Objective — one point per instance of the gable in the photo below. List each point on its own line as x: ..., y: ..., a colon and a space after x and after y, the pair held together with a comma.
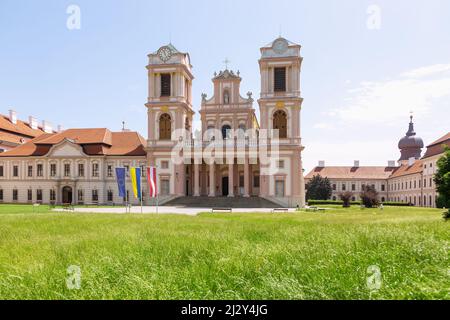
x: 66, y: 149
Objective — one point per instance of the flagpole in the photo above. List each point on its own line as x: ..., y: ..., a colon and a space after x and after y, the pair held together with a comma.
x: 157, y: 193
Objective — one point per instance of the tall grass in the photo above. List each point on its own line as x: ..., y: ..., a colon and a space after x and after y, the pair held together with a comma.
x: 225, y: 256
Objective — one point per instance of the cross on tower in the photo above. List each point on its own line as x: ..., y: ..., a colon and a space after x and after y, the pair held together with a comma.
x: 411, y: 114
x: 226, y: 61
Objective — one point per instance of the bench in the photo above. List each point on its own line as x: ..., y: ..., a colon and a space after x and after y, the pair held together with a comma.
x: 280, y: 210
x: 221, y: 210
x: 68, y: 207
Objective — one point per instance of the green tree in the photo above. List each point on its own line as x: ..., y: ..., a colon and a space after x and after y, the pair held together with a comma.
x: 318, y: 188
x: 442, y: 179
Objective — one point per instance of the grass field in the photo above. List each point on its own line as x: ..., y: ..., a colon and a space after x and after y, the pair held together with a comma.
x: 225, y: 256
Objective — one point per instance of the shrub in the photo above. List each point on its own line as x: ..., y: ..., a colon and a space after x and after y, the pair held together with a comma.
x: 446, y: 215
x: 369, y: 197
x: 346, y: 197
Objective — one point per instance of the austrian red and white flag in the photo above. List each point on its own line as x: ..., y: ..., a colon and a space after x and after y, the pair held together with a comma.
x: 151, y: 180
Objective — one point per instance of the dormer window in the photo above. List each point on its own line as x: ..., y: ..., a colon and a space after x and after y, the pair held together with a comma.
x: 165, y: 85
x: 226, y: 97
x: 280, y: 79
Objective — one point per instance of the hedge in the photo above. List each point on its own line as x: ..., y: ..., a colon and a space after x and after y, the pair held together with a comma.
x: 356, y: 203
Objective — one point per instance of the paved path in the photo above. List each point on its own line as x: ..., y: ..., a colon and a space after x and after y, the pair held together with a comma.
x: 165, y: 210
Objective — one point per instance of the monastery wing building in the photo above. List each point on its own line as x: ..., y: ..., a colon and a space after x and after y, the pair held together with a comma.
x: 411, y: 181
x: 234, y: 156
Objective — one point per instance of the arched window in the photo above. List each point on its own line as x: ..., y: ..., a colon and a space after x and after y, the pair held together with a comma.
x: 226, y: 132
x: 226, y: 97
x: 280, y: 123
x: 165, y: 123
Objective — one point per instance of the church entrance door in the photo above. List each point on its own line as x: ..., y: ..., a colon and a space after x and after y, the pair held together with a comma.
x: 225, y: 186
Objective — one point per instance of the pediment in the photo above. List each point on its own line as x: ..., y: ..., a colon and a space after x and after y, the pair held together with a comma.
x: 66, y: 148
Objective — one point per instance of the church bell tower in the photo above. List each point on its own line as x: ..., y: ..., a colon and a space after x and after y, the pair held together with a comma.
x: 280, y: 104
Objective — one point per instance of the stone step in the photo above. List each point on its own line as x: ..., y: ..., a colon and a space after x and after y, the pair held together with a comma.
x: 221, y: 202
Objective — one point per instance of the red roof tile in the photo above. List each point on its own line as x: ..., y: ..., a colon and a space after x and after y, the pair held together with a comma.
x: 94, y: 142
x: 366, y: 172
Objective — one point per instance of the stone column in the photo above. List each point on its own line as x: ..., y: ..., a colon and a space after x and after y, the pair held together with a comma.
x: 212, y: 180
x: 196, y: 181
x: 230, y: 180
x: 246, y: 179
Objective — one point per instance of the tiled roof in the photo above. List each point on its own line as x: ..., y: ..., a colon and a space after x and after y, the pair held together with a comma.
x: 366, y: 172
x: 20, y: 128
x: 99, y: 141
x: 405, y: 170
x: 440, y: 140
x: 437, y: 147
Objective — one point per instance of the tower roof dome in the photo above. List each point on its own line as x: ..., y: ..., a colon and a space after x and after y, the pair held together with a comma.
x: 410, y: 145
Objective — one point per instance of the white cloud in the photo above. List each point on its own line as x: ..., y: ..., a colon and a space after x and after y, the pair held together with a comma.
x: 391, y: 100
x: 322, y: 125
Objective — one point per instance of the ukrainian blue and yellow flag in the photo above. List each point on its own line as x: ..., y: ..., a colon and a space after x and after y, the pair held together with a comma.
x: 135, y: 174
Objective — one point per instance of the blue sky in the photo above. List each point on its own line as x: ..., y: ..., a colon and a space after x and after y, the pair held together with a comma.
x: 359, y: 83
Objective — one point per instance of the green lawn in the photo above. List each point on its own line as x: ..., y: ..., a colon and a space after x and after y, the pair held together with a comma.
x: 225, y: 256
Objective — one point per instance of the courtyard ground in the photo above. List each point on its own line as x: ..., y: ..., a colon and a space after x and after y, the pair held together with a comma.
x: 397, y: 253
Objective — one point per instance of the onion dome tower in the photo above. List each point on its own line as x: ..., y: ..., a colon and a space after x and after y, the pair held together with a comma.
x: 410, y: 145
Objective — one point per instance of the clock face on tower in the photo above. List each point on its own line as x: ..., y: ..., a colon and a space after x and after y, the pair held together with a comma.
x: 280, y: 46
x: 165, y: 53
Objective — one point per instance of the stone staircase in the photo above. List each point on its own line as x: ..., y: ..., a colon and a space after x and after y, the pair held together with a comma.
x: 221, y: 202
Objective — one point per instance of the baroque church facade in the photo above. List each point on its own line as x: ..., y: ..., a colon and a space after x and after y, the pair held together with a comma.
x: 224, y: 159
x: 234, y: 155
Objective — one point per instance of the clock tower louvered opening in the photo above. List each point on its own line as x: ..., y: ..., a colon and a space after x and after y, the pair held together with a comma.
x: 280, y: 79
x: 165, y: 85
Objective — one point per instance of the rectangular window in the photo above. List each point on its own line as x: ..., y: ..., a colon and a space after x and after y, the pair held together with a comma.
x: 81, y: 170
x: 40, y: 170
x: 38, y: 195
x: 30, y: 171
x: 280, y: 164
x: 280, y: 79
x: 165, y: 85
x: 110, y: 170
x: 164, y: 164
x: 353, y: 187
x: 30, y: 195
x: 1, y: 171
x: 110, y: 196
x: 94, y: 195
x: 334, y: 187
x: 424, y: 183
x: 67, y: 170
x: 53, y: 170
x: 15, y: 171
x: 95, y: 169
x: 1, y: 194
x: 383, y: 187
x: 343, y: 187
x: 165, y: 187
x: 15, y: 195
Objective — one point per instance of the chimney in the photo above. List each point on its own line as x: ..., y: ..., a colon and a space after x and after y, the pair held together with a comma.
x: 46, y: 126
x: 321, y: 164
x: 411, y: 161
x: 13, y: 116
x: 32, y: 122
x: 356, y: 164
x: 391, y: 163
